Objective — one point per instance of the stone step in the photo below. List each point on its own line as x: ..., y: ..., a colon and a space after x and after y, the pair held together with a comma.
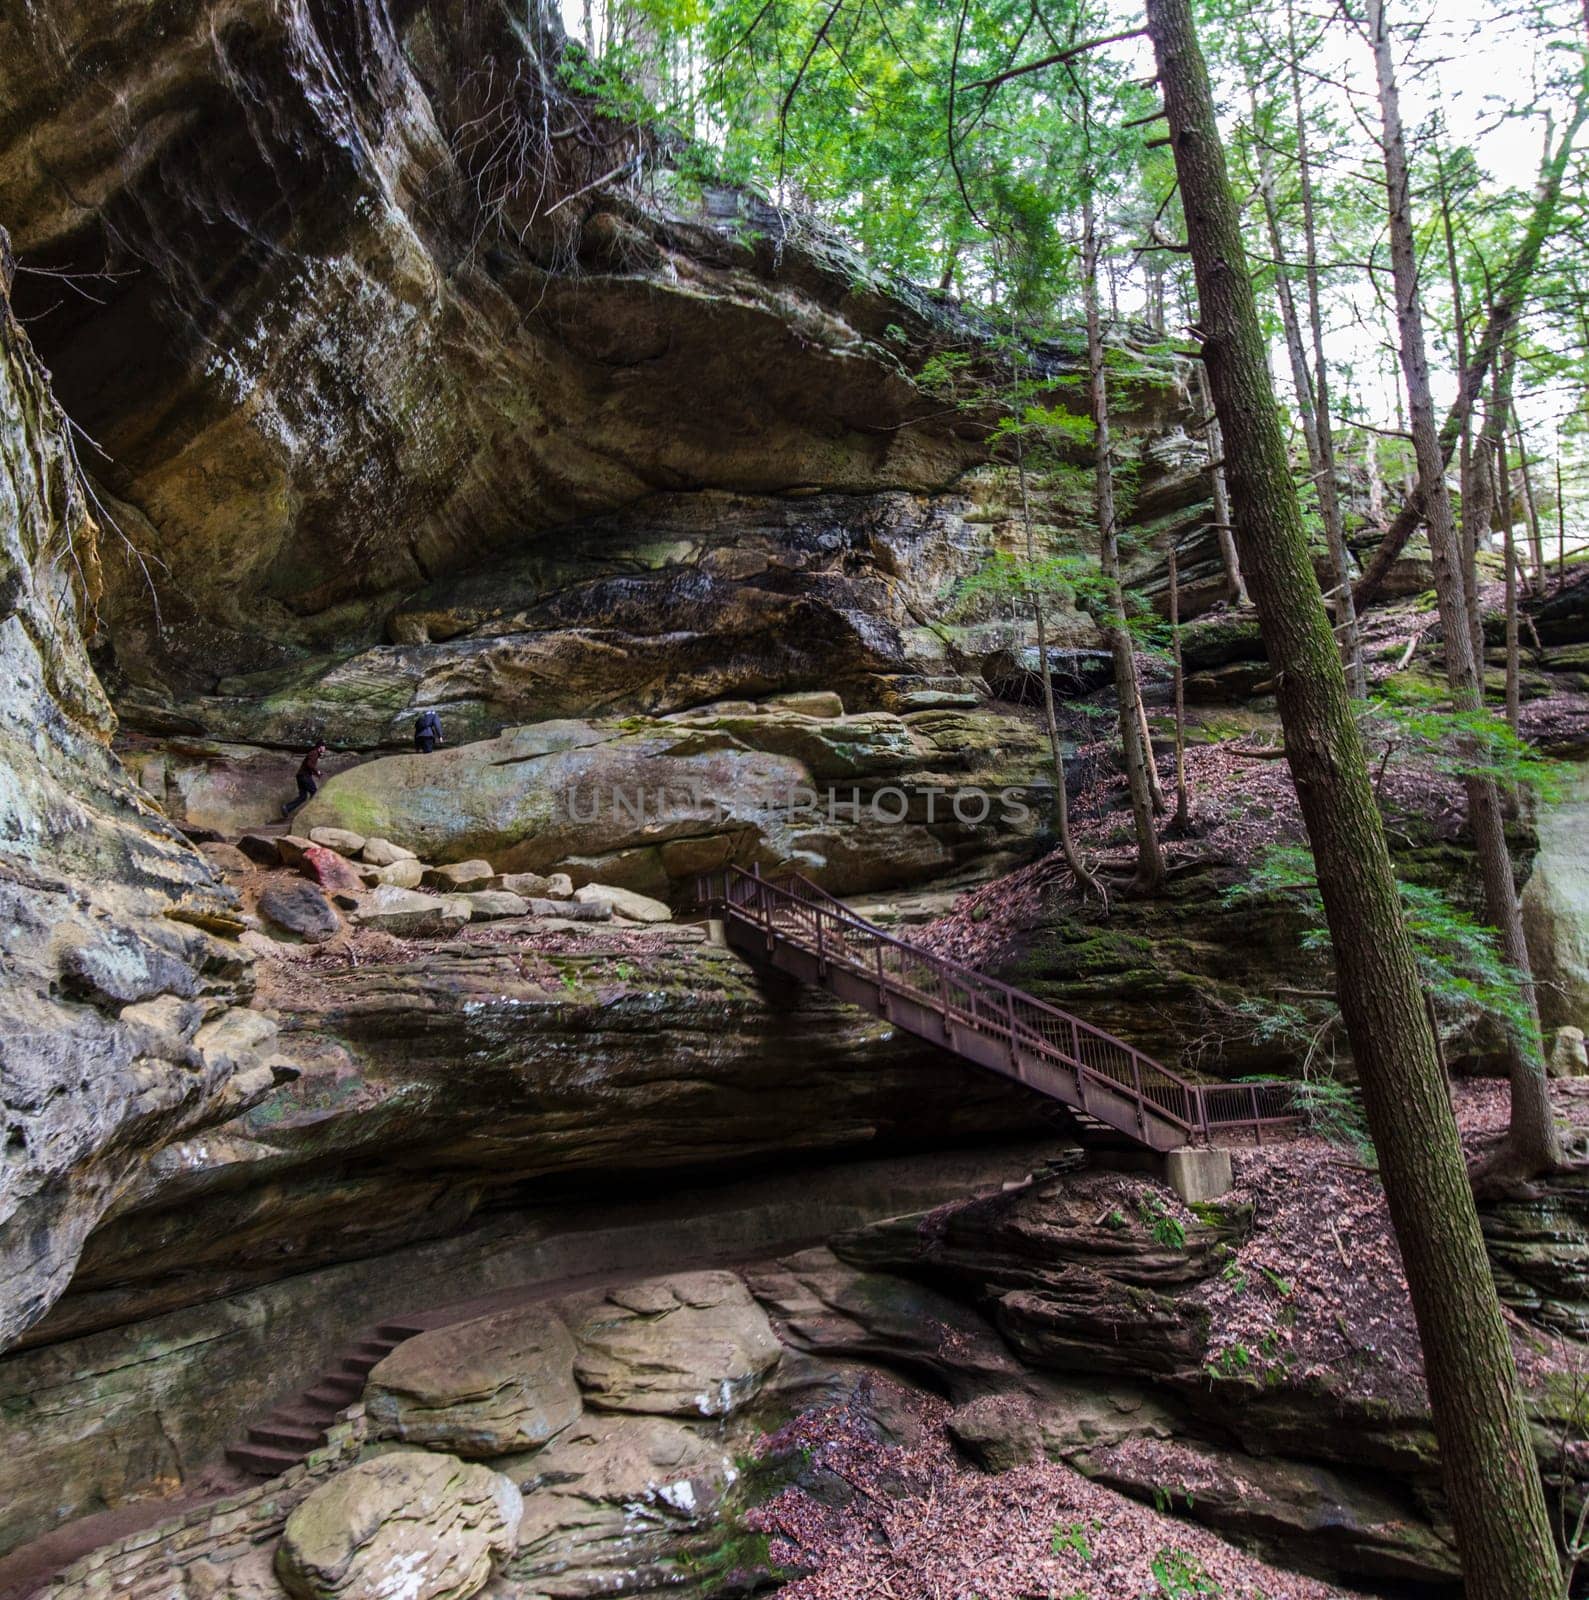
x: 301, y: 1413
x: 398, y: 1330
x: 302, y: 1437
x: 336, y: 1390
x: 263, y: 1460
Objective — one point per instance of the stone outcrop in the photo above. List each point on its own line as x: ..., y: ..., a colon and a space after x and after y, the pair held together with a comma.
x: 499, y: 1384
x: 434, y: 1079
x: 1299, y: 1513
x: 121, y: 966
x: 423, y: 1526
x: 692, y: 1345
x: 859, y: 802
x: 617, y: 1504
x: 417, y: 382
x: 300, y: 909
x: 1556, y: 905
x: 108, y: 1418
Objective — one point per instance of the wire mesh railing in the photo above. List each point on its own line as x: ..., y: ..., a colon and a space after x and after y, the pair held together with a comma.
x: 802, y: 914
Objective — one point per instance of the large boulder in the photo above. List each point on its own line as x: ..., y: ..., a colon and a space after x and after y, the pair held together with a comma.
x: 225, y: 857
x: 407, y: 874
x: 693, y: 1344
x: 1556, y: 905
x: 410, y: 914
x: 624, y: 902
x: 405, y: 1526
x: 383, y: 853
x: 459, y: 877
x: 859, y: 802
x: 486, y: 905
x: 535, y: 885
x: 499, y: 1384
x: 338, y: 839
x: 260, y: 848
x: 614, y: 1494
x: 300, y: 908
x: 333, y: 872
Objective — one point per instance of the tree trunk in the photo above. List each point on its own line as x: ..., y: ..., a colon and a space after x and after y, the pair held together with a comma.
x: 1491, y: 1475
x: 1507, y: 508
x: 1324, y: 467
x: 1532, y: 1143
x: 1155, y: 786
x: 1536, y: 543
x: 1313, y: 429
x: 1085, y: 880
x: 1561, y: 518
x: 1182, y: 806
x: 1513, y: 687
x: 1150, y: 860
x: 1235, y: 589
x: 1376, y: 480
x: 1506, y: 303
x: 1470, y: 533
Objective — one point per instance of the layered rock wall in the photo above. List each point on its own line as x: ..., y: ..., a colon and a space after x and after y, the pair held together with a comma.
x: 120, y: 1027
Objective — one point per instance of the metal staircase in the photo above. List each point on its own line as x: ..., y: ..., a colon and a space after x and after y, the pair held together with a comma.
x: 792, y: 924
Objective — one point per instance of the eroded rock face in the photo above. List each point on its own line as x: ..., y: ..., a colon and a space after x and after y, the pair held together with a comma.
x: 613, y: 1503
x: 409, y: 1524
x: 435, y: 1079
x: 117, y: 1033
x: 499, y: 1384
x: 1556, y: 905
x: 1300, y: 1513
x: 691, y: 1345
x: 857, y: 802
x: 398, y: 362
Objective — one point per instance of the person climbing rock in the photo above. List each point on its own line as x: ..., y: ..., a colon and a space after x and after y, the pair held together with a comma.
x: 308, y: 779
x: 427, y: 732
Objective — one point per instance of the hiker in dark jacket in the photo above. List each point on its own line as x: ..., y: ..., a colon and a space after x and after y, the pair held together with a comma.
x: 427, y: 732
x: 308, y: 779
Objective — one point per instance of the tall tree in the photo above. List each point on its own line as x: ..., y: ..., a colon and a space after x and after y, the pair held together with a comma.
x: 1137, y: 751
x: 1235, y: 589
x: 1511, y: 289
x: 1317, y: 435
x: 1532, y: 1144
x: 1492, y: 1478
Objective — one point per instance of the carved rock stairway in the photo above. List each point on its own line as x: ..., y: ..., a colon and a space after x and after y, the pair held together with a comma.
x: 796, y: 926
x: 283, y: 1437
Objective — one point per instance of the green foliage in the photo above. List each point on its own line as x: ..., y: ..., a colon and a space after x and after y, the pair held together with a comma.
x: 1167, y: 1231
x: 1418, y: 716
x: 1006, y: 578
x: 1334, y: 1111
x: 1231, y: 1362
x: 1179, y: 1576
x: 1459, y: 959
x: 1073, y: 1538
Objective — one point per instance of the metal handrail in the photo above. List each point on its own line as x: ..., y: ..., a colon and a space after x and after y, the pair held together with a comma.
x: 806, y: 915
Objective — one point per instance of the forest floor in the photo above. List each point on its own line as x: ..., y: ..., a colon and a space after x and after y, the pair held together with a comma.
x: 923, y: 1526
x: 1314, y: 1298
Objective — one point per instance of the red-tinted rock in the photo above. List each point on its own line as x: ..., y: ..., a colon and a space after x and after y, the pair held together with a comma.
x: 331, y: 871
